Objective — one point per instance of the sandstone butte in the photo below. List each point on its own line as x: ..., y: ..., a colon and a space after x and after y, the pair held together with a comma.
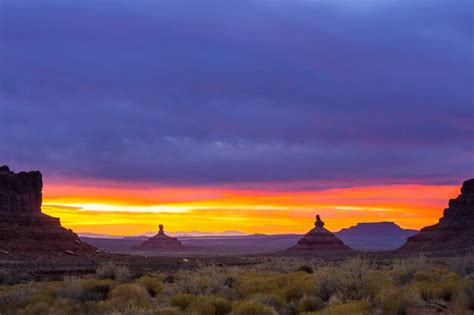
x: 453, y: 232
x: 24, y: 229
x: 319, y: 241
x: 161, y: 241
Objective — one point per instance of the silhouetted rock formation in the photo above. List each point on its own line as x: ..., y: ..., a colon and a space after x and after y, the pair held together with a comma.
x: 455, y: 230
x: 319, y: 240
x: 161, y: 241
x: 375, y: 236
x: 24, y: 229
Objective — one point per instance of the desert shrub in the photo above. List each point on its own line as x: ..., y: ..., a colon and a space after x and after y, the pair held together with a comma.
x: 306, y: 268
x: 438, y: 284
x: 205, y: 305
x: 129, y: 295
x: 356, y: 279
x: 96, y: 290
x: 249, y: 284
x: 389, y: 300
x: 468, y: 292
x: 71, y: 287
x: 221, y: 305
x: 46, y: 294
x: 463, y: 265
x: 404, y: 270
x: 15, y: 297
x: 95, y: 308
x: 111, y: 271
x: 169, y: 279
x: 182, y: 300
x: 38, y: 308
x: 310, y: 304
x: 252, y: 308
x: 326, y: 284
x: 168, y: 311
x: 209, y: 280
x: 273, y: 300
x: 11, y: 278
x: 131, y: 310
x: 152, y: 285
x: 298, y: 286
x: 361, y: 307
x: 64, y: 306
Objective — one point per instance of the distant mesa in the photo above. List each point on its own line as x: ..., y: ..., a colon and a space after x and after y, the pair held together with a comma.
x: 319, y: 241
x: 375, y: 236
x: 454, y: 231
x: 24, y: 229
x: 161, y: 241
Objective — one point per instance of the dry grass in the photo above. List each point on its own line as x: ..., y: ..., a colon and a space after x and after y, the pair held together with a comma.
x: 355, y: 286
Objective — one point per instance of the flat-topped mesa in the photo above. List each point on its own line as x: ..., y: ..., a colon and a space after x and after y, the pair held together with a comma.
x: 161, y: 241
x: 319, y: 240
x: 24, y: 229
x: 454, y: 231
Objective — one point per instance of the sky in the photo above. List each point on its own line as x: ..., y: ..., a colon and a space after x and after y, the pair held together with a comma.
x: 246, y: 115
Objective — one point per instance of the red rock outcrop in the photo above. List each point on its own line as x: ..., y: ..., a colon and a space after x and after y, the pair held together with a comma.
x: 454, y: 231
x: 161, y: 241
x: 319, y: 241
x: 24, y: 229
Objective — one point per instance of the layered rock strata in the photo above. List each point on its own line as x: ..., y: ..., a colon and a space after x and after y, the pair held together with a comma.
x: 454, y: 231
x: 319, y: 240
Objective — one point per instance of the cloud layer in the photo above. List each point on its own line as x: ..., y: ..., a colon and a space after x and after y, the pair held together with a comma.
x: 213, y: 92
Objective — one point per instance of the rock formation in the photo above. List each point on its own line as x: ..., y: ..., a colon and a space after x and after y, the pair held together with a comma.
x: 375, y: 236
x: 319, y: 240
x: 161, y: 241
x: 24, y: 229
x: 454, y: 231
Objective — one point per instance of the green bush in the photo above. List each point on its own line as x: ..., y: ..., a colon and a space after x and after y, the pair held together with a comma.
x: 182, y: 300
x: 389, y: 300
x: 38, y: 308
x: 111, y: 271
x: 273, y: 300
x: 96, y: 290
x: 306, y: 268
x: 361, y: 307
x: 129, y: 295
x: 152, y: 285
x: 168, y: 311
x: 252, y: 308
x: 310, y: 304
x: 71, y: 288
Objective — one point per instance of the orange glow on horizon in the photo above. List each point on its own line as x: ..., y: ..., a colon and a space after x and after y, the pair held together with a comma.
x: 136, y: 210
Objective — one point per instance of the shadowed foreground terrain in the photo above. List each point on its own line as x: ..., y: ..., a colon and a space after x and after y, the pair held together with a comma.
x: 271, y: 285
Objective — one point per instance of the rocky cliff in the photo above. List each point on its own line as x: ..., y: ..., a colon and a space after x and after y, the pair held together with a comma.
x: 454, y: 231
x: 24, y: 229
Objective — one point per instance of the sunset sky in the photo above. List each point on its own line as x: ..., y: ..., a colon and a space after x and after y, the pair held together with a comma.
x: 247, y: 115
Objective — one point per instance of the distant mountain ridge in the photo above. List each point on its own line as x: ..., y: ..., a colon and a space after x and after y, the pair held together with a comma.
x: 375, y: 236
x: 363, y: 236
x: 146, y: 235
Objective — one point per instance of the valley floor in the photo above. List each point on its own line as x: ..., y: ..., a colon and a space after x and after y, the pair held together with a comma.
x: 122, y: 284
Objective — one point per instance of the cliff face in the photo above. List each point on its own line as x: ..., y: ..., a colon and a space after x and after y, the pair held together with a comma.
x: 455, y: 230
x: 20, y: 193
x: 24, y: 229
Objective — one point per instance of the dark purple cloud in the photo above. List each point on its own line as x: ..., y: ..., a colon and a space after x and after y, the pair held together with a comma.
x: 220, y: 92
